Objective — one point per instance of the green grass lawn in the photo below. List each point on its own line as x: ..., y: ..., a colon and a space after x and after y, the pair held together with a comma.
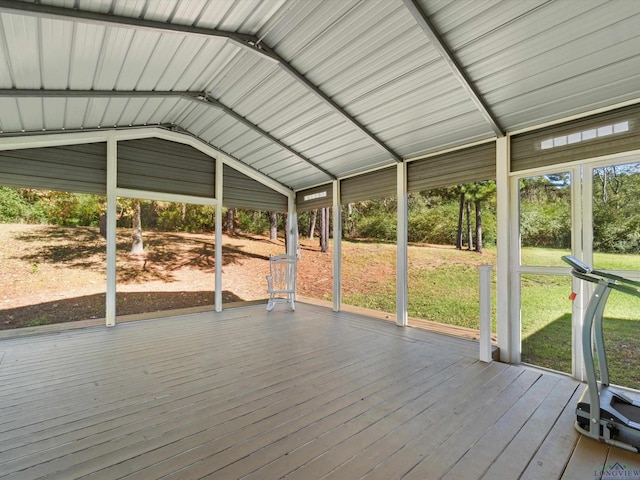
x: 443, y: 281
x: 546, y: 328
x: 443, y: 286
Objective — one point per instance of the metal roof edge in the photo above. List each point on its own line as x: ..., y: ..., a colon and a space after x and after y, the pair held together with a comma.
x: 577, y: 116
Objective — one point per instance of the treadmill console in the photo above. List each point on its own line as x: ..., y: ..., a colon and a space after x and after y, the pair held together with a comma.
x: 577, y: 264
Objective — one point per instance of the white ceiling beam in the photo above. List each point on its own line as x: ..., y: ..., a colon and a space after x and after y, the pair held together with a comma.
x: 193, y: 96
x: 216, y: 104
x: 43, y: 140
x: 429, y: 30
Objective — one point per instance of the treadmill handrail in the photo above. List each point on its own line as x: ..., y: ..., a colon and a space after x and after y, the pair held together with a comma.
x: 584, y: 272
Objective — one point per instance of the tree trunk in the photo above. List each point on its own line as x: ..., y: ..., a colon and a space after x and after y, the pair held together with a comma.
x: 137, y: 247
x: 469, y: 230
x: 231, y: 219
x: 324, y: 237
x: 459, y: 235
x: 103, y: 217
x: 478, y: 226
x: 273, y: 221
x: 313, y: 216
x: 286, y: 231
x: 103, y: 225
x: 351, y: 221
x: 327, y: 226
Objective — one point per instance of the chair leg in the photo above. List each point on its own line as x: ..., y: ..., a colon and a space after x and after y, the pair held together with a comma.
x: 270, y: 304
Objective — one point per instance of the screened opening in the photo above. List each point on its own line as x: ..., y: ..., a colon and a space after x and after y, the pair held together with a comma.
x: 53, y: 257
x: 316, y: 247
x: 545, y: 219
x: 451, y: 231
x: 616, y: 247
x: 165, y: 256
x: 249, y: 238
x: 369, y: 249
x: 545, y: 236
x: 546, y: 321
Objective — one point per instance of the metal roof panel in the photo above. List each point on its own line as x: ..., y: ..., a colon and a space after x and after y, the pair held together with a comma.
x: 531, y: 61
x: 53, y: 112
x: 542, y: 60
x: 10, y: 115
x: 75, y: 111
x: 21, y: 35
x: 131, y: 8
x: 238, y: 15
x: 6, y: 77
x: 31, y: 114
x: 85, y: 55
x: 56, y: 41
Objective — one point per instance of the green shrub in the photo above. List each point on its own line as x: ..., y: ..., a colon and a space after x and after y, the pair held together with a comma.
x: 15, y: 208
x: 379, y: 225
x: 545, y: 225
x: 254, y: 222
x: 177, y: 217
x: 437, y: 225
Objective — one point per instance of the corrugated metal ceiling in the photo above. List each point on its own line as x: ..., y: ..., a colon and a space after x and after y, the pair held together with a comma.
x: 306, y: 90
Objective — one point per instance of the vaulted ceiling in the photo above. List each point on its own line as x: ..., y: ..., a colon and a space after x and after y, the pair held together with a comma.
x: 306, y: 91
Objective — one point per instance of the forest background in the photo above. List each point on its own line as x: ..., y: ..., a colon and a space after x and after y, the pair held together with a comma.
x: 462, y: 215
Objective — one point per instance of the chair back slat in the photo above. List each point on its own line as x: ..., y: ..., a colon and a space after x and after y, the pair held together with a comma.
x: 281, y: 280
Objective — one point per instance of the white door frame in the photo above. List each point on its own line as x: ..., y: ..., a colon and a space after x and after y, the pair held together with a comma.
x: 581, y: 245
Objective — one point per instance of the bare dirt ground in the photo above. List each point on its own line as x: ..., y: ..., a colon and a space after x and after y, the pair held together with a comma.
x: 51, y: 274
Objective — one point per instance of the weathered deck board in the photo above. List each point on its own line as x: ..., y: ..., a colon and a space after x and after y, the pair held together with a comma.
x: 246, y: 394
x: 591, y: 459
x: 551, y: 458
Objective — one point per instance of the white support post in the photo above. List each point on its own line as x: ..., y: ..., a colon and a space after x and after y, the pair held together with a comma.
x: 112, y: 179
x: 485, y: 312
x: 402, y: 254
x: 292, y: 241
x: 337, y: 247
x: 582, y: 248
x: 292, y: 227
x: 505, y: 324
x: 218, y: 235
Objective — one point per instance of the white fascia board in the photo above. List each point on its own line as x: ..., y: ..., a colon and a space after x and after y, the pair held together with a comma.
x: 364, y: 172
x: 452, y: 149
x: 577, y: 116
x: 207, y: 150
x: 164, y: 197
x: 604, y: 160
x: 52, y: 140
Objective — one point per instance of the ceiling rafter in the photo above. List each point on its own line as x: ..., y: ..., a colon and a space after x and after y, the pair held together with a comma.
x: 201, y: 97
x: 216, y: 104
x: 244, y: 40
x: 436, y: 40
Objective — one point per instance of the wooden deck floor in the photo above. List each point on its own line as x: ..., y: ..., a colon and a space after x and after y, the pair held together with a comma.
x: 305, y: 395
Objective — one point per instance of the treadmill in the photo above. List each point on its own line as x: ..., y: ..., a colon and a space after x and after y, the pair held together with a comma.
x: 604, y: 413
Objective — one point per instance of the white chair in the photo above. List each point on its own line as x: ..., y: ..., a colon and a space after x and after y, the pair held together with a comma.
x: 281, y: 282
